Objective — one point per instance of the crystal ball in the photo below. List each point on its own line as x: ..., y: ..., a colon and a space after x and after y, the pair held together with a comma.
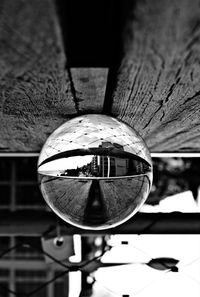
x: 95, y: 172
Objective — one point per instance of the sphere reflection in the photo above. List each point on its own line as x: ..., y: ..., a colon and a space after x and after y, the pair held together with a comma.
x: 95, y: 172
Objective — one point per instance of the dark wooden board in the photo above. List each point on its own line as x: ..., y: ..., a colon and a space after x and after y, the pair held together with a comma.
x: 157, y: 87
x: 37, y: 89
x: 35, y: 92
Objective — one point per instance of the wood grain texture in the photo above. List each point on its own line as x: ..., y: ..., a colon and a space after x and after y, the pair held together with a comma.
x: 35, y: 94
x: 90, y: 86
x: 157, y: 88
x: 37, y: 89
x: 122, y: 197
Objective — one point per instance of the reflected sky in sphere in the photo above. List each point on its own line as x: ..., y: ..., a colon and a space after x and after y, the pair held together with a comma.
x: 95, y: 172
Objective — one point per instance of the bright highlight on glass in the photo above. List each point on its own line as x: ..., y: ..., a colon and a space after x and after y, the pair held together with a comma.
x: 95, y: 172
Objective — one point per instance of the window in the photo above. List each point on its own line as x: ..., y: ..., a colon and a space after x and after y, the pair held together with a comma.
x: 18, y: 184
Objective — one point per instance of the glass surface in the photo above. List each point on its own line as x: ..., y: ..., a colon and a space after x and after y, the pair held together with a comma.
x: 95, y: 172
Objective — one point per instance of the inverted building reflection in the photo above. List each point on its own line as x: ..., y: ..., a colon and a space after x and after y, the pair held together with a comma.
x: 106, y: 166
x: 116, y: 164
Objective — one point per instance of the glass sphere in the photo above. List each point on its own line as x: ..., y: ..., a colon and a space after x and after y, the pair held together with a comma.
x: 95, y: 172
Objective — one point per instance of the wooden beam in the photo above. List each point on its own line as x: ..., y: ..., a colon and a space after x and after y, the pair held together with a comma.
x: 157, y: 85
x: 35, y: 223
x: 90, y: 86
x: 37, y: 89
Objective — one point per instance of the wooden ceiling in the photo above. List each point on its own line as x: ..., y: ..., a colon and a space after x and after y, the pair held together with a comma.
x: 138, y: 61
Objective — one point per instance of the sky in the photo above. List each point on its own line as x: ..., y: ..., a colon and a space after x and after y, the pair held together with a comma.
x: 61, y: 165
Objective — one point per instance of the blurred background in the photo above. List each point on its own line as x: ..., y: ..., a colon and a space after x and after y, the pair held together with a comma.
x: 60, y: 264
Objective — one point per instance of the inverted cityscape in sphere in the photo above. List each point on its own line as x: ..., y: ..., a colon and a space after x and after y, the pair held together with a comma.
x: 95, y: 172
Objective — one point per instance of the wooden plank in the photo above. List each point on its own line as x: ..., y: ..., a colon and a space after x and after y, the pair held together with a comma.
x: 35, y: 92
x: 20, y: 223
x: 89, y: 85
x: 157, y: 87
